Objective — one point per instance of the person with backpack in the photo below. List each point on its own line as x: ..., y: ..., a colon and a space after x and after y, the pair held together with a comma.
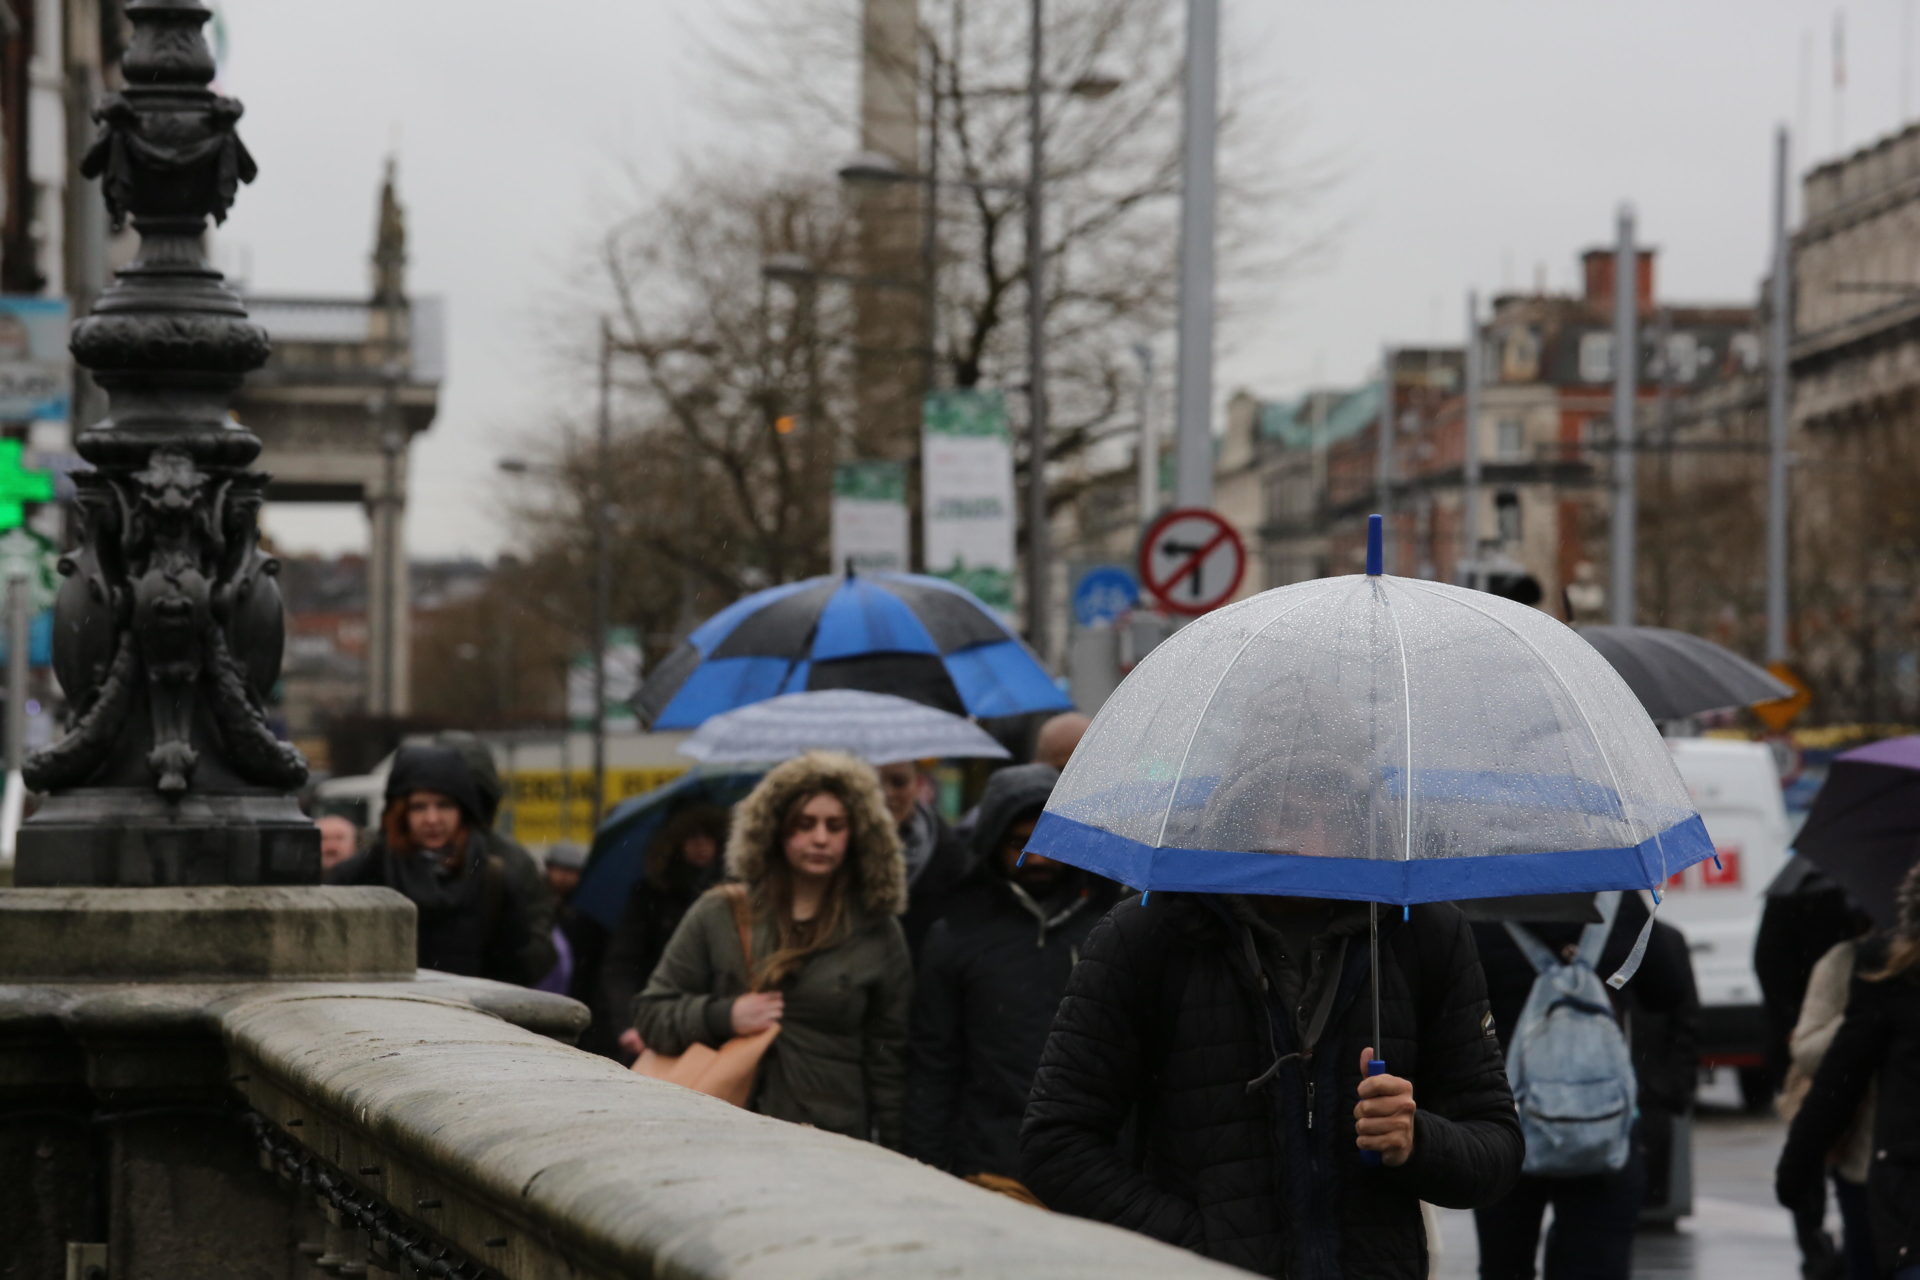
x: 1566, y: 1035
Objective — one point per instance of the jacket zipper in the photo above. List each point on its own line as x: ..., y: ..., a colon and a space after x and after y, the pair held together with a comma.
x: 1309, y: 1067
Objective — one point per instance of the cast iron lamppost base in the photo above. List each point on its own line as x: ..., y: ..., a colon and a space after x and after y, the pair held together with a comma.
x: 168, y: 630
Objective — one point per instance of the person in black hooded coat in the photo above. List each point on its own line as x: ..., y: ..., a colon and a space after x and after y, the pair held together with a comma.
x: 990, y: 977
x: 1879, y: 1044
x: 1185, y: 1094
x: 434, y: 849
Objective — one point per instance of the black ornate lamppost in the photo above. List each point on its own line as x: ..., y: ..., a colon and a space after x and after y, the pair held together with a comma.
x: 168, y: 630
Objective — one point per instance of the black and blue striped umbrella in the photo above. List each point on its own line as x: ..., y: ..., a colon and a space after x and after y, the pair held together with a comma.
x: 905, y: 634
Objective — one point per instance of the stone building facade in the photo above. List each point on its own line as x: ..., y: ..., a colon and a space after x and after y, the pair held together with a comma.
x: 1855, y: 359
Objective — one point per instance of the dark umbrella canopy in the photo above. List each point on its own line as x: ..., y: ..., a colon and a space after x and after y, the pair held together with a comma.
x: 915, y: 637
x: 1864, y: 829
x: 617, y: 859
x: 1676, y: 675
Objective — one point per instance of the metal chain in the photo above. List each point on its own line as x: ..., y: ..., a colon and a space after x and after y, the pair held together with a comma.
x: 403, y: 1243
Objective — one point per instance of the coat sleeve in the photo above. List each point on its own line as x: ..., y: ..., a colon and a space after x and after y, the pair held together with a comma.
x: 537, y: 907
x: 936, y: 1053
x: 679, y: 1008
x: 1858, y: 1049
x: 885, y: 1038
x: 1466, y: 1137
x: 1092, y: 1077
x: 1822, y: 1010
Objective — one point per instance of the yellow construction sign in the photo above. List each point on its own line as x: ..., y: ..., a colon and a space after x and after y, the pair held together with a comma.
x: 544, y: 805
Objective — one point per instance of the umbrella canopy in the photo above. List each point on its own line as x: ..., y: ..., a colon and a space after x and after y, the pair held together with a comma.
x: 1378, y: 739
x: 1864, y: 827
x: 618, y: 857
x: 877, y: 727
x: 917, y: 637
x: 1676, y: 675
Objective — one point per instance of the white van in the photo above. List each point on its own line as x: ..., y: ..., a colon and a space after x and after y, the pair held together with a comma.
x: 1736, y: 787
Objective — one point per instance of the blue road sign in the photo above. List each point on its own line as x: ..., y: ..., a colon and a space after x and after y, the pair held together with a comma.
x: 1105, y: 593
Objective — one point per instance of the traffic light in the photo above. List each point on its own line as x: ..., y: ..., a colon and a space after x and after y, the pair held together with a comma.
x: 784, y: 424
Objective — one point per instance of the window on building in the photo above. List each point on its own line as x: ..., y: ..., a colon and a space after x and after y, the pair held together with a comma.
x: 1509, y: 438
x: 1596, y: 357
x: 1506, y: 517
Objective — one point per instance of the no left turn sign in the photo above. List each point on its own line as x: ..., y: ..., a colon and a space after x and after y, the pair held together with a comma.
x: 1191, y: 561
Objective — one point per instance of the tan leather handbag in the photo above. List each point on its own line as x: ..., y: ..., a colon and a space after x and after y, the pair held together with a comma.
x: 728, y: 1072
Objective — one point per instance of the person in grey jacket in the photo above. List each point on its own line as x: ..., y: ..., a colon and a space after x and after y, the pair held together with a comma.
x: 820, y: 859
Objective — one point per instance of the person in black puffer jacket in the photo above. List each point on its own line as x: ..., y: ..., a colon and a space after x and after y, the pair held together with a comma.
x: 991, y: 974
x: 435, y: 851
x: 1879, y: 1042
x: 1201, y: 1079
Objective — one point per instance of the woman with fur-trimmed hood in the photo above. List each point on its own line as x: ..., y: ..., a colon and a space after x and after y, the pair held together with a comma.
x: 820, y: 859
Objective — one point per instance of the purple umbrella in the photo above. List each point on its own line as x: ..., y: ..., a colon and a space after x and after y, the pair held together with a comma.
x: 1864, y: 829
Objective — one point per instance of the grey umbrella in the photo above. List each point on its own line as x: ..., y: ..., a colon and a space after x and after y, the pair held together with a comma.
x: 1676, y: 675
x: 877, y: 727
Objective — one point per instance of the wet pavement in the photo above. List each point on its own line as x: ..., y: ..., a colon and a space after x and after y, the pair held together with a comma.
x: 1736, y: 1231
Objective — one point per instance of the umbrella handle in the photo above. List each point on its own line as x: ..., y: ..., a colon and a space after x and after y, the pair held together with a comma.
x: 1375, y: 1067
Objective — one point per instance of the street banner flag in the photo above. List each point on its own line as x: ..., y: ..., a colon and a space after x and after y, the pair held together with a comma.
x: 870, y: 518
x: 967, y: 492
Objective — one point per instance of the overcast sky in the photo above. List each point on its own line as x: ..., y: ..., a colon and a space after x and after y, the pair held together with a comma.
x: 1475, y: 143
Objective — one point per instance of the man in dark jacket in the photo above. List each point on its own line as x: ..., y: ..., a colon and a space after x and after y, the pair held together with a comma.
x: 523, y: 869
x: 1202, y: 1084
x: 989, y: 979
x: 1593, y: 1216
x: 434, y: 850
x: 936, y: 859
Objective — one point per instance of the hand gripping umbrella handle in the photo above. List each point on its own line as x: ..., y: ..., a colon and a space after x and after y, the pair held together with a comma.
x: 1375, y: 1067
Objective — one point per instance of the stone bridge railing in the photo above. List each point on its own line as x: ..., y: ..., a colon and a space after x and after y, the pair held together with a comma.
x: 275, y: 1095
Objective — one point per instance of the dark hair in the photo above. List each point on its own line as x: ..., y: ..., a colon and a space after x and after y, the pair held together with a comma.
x: 1903, y: 954
x: 399, y: 840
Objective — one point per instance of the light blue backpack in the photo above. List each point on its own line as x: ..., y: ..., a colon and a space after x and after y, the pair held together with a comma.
x: 1568, y: 1061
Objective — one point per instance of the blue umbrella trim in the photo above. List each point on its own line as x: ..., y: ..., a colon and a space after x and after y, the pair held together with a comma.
x: 1143, y: 866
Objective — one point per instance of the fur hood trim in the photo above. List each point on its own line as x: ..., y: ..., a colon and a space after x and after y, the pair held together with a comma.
x: 873, y: 845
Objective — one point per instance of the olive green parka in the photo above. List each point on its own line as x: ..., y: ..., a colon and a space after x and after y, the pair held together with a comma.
x: 839, y: 1061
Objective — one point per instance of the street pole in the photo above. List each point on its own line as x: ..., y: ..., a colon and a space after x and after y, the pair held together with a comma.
x: 1149, y: 460
x: 602, y: 577
x: 1193, y: 485
x: 1039, y: 571
x: 1467, y: 572
x: 1626, y: 276
x: 1777, y: 411
x: 19, y: 626
x: 1383, y: 461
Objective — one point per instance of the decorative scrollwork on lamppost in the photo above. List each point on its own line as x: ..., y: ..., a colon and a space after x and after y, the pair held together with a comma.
x: 168, y: 631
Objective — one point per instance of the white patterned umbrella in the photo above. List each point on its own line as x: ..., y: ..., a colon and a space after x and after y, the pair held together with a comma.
x: 877, y: 727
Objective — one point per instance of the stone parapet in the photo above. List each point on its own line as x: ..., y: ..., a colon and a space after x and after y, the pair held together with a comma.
x: 209, y: 933
x: 535, y: 1160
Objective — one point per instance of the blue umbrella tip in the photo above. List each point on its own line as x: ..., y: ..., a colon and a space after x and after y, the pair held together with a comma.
x: 1376, y: 546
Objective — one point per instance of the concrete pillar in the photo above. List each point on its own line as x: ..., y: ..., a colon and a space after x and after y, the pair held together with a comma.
x: 889, y: 321
x: 389, y: 596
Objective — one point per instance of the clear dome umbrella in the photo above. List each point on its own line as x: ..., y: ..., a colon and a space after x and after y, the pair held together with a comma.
x: 1378, y: 739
